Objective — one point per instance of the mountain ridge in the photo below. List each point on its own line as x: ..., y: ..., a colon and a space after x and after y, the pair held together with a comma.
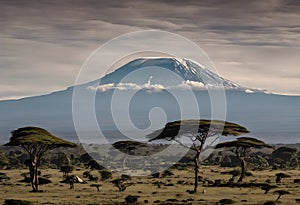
x: 187, y: 69
x: 266, y: 115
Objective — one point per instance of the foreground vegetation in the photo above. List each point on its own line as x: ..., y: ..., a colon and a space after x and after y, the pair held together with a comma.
x: 69, y: 175
x: 270, y: 172
x: 149, y: 190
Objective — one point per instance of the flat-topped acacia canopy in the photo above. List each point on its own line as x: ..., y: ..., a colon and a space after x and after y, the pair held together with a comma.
x: 197, y: 131
x: 246, y: 142
x: 193, y: 127
x: 241, y: 148
x: 30, y: 135
x: 36, y: 141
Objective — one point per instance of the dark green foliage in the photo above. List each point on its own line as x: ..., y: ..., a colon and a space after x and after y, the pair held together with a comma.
x: 172, y: 200
x: 16, y: 202
x: 242, y: 148
x: 296, y: 180
x: 268, y: 187
x: 131, y: 199
x: 180, y: 166
x: 285, y: 157
x: 198, y: 131
x: 284, y: 153
x: 175, y: 129
x: 43, y: 180
x: 269, y: 203
x: 125, y: 177
x: 86, y: 174
x: 121, y: 184
x: 85, y: 158
x: 229, y: 161
x: 155, y: 175
x: 36, y: 141
x: 167, y: 173
x: 105, y: 174
x: 258, y: 161
x: 96, y: 185
x: 28, y: 135
x: 281, y: 175
x: 93, y: 164
x: 60, y: 159
x: 244, y: 142
x: 226, y: 201
x: 131, y: 147
x: 66, y: 170
x: 3, y: 160
x: 280, y: 193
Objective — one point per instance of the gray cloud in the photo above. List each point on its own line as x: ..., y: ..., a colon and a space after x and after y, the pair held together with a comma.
x: 44, y: 43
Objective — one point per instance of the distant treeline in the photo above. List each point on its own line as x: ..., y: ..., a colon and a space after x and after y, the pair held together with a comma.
x: 282, y: 157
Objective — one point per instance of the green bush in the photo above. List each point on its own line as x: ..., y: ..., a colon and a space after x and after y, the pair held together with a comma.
x: 105, y: 174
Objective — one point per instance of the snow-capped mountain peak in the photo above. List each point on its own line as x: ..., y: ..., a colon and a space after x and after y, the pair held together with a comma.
x: 184, y: 70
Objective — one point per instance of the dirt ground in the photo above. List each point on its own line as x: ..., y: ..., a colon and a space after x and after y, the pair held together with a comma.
x: 172, y: 192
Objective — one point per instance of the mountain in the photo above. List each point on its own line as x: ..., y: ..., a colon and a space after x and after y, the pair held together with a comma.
x: 157, y: 90
x: 181, y: 70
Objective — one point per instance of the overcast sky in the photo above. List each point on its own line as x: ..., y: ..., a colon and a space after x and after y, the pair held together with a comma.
x: 44, y: 43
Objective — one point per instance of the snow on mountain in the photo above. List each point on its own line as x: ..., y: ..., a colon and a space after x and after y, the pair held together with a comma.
x: 158, y: 73
x: 273, y: 118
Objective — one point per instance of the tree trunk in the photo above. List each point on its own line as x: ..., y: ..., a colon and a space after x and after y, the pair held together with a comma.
x: 243, y: 169
x: 196, y: 161
x: 124, y: 162
x: 36, y: 183
x: 33, y: 166
x: 31, y: 173
x: 278, y: 197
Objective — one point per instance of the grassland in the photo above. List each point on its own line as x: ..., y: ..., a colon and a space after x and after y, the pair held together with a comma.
x: 172, y: 191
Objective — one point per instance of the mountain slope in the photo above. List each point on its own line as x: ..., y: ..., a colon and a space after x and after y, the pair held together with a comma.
x: 273, y: 118
x: 185, y: 69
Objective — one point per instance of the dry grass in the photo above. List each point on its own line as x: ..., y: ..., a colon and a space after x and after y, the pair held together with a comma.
x: 59, y: 193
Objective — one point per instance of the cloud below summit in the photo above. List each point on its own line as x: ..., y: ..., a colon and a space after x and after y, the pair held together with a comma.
x: 153, y: 88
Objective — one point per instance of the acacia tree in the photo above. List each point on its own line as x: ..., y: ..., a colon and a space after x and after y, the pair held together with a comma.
x: 130, y: 148
x: 241, y: 147
x: 135, y: 148
x: 36, y: 141
x: 197, y: 131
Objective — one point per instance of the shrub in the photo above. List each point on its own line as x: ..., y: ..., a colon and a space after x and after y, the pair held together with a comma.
x: 43, y: 180
x: 86, y: 174
x: 155, y: 175
x: 296, y: 180
x: 105, y: 174
x: 16, y: 202
x: 226, y: 201
x: 121, y: 184
x: 125, y: 177
x: 167, y: 173
x: 131, y: 199
x: 269, y: 203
